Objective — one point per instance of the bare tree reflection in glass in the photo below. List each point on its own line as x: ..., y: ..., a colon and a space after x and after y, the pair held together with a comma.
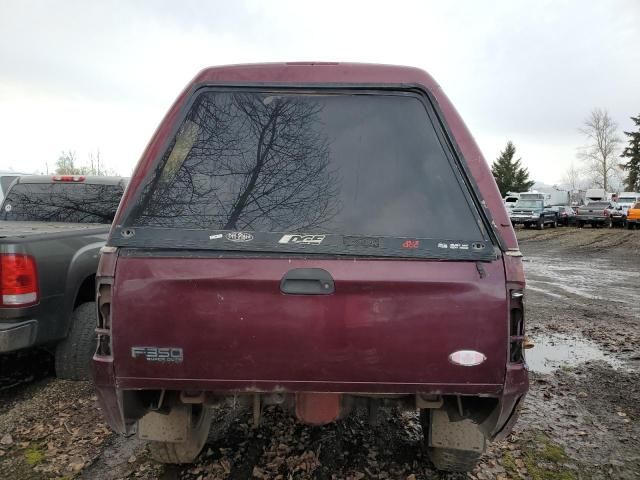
x: 246, y: 161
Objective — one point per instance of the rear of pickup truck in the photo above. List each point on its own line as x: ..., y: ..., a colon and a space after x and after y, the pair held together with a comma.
x: 292, y: 244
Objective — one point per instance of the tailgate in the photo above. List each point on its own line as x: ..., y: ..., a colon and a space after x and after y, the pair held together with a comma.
x: 389, y: 326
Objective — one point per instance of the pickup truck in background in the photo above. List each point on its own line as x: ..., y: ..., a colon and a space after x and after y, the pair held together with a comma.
x: 51, y: 233
x: 596, y: 214
x: 532, y: 212
x: 286, y: 239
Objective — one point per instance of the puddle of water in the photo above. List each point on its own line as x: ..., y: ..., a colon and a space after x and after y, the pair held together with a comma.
x: 554, y: 351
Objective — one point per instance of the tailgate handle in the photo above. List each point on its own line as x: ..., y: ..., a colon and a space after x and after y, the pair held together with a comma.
x: 307, y: 281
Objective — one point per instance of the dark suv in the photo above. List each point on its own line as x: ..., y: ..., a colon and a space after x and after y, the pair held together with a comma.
x: 286, y: 239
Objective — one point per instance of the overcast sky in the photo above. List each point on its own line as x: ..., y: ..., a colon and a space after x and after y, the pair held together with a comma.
x: 82, y: 76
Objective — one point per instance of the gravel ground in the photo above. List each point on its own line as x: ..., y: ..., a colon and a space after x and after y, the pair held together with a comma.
x: 580, y: 419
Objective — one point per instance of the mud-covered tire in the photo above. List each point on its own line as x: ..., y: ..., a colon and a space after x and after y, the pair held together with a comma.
x: 540, y: 224
x: 74, y: 353
x: 610, y: 223
x: 554, y: 224
x: 449, y: 460
x: 187, y: 451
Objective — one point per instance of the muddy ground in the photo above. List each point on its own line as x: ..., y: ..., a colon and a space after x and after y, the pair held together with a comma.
x: 581, y: 419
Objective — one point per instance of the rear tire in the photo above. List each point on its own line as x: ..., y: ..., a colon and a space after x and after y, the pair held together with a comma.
x: 610, y: 223
x: 187, y: 451
x: 74, y: 353
x: 554, y: 224
x: 540, y: 224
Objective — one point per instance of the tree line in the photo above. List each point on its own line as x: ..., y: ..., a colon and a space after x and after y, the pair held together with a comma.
x: 68, y: 164
x: 600, y: 159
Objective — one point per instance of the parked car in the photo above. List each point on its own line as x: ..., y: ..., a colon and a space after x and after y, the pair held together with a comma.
x: 285, y: 239
x: 51, y: 232
x: 617, y: 216
x: 510, y: 200
x: 633, y: 216
x: 626, y: 200
x: 596, y: 214
x: 565, y: 214
x: 533, y: 213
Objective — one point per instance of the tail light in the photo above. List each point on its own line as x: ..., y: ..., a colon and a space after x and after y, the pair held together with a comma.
x: 516, y: 325
x: 18, y: 280
x: 104, y: 282
x: 606, y: 212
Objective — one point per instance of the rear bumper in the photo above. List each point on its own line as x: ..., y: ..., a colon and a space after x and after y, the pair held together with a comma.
x: 111, y: 392
x: 592, y: 219
x: 17, y: 335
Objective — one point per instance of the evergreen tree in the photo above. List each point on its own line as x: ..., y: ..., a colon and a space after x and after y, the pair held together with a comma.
x: 632, y: 152
x: 510, y: 175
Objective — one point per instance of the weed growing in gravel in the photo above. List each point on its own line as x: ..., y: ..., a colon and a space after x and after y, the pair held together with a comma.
x: 545, y: 460
x: 33, y: 456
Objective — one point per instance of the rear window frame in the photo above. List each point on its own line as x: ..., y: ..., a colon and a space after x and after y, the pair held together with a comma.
x: 124, y: 234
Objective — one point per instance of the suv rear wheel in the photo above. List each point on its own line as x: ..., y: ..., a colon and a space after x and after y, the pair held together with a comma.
x: 74, y: 353
x: 540, y: 224
x: 187, y: 451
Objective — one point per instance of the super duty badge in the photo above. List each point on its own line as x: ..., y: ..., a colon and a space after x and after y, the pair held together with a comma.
x: 158, y: 354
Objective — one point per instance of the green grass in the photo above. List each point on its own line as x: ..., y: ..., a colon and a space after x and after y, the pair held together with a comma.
x: 33, y: 456
x: 547, y: 460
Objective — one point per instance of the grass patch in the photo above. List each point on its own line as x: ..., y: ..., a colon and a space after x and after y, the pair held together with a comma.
x: 546, y: 460
x: 33, y: 456
x: 509, y: 464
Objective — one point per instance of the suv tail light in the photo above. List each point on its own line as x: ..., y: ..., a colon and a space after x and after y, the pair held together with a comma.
x: 18, y: 280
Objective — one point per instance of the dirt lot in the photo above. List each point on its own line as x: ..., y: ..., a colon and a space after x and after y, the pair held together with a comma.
x: 581, y: 419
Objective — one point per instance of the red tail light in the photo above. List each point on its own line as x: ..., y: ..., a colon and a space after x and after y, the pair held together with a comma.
x: 606, y: 213
x: 68, y: 178
x: 18, y: 280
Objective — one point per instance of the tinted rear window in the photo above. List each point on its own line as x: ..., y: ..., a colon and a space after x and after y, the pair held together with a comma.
x: 62, y: 202
x: 345, y: 165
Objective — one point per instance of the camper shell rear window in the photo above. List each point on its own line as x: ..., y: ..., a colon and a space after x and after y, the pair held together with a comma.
x: 333, y: 172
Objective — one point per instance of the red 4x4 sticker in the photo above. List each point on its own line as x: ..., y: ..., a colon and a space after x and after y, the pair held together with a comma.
x: 411, y: 244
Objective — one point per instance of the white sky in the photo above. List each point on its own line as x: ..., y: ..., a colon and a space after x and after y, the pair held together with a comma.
x: 82, y: 76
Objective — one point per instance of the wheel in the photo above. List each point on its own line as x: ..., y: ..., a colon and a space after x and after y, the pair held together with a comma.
x: 74, y: 353
x: 610, y: 223
x: 629, y: 226
x: 554, y: 224
x: 447, y: 459
x: 540, y: 224
x: 580, y: 224
x: 187, y: 451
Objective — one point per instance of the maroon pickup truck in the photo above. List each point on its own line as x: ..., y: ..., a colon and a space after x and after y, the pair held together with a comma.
x: 321, y: 236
